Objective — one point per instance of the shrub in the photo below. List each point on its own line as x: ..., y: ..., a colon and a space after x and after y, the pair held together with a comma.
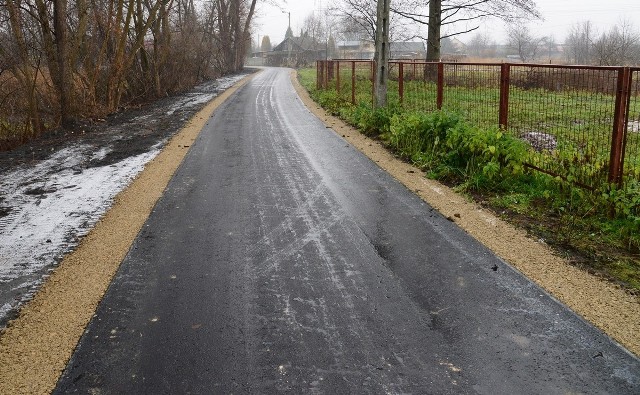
x: 453, y: 150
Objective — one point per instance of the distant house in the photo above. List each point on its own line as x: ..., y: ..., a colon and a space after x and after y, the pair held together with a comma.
x: 365, y: 49
x: 355, y: 49
x: 406, y: 50
x: 296, y: 51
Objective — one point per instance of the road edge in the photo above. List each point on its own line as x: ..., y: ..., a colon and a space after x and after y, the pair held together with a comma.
x: 608, y: 307
x: 36, y: 347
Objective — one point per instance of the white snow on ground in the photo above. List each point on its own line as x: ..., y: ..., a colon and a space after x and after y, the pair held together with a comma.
x: 50, y: 211
x: 199, y: 98
x: 56, y: 201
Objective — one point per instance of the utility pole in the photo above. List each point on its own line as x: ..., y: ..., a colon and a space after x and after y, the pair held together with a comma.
x: 382, y: 53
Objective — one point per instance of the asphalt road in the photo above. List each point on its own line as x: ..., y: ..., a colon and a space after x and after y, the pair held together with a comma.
x: 281, y: 260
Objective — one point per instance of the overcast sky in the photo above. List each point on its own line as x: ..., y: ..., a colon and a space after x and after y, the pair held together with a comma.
x: 559, y: 16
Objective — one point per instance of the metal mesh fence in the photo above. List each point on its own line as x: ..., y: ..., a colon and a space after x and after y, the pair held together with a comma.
x: 583, y: 123
x: 632, y: 142
x: 472, y: 90
x: 567, y: 115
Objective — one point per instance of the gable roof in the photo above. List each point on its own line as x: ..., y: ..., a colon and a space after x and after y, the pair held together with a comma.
x: 403, y: 46
x: 299, y: 44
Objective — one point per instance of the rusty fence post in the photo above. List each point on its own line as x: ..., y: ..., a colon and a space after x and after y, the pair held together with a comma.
x: 401, y: 81
x: 318, y: 65
x: 353, y: 82
x: 331, y: 73
x: 503, y: 114
x: 440, y: 87
x: 616, y: 161
x: 338, y: 77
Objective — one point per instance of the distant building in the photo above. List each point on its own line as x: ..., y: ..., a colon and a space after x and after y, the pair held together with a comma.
x: 295, y: 52
x: 355, y: 49
x: 365, y: 49
x: 415, y: 50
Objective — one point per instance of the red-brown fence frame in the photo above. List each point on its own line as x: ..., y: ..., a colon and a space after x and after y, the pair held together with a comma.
x: 325, y: 69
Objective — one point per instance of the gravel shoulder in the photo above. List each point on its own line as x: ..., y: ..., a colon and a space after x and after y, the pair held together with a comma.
x: 605, y: 305
x: 35, y: 347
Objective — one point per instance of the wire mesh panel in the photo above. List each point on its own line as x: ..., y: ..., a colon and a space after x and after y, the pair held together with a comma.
x: 582, y: 122
x: 472, y: 90
x: 566, y: 113
x: 631, y: 167
x: 364, y: 82
x: 417, y: 90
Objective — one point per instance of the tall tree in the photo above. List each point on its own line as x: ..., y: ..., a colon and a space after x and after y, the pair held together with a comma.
x: 523, y: 42
x: 579, y: 43
x: 464, y: 16
x: 620, y: 46
x: 382, y: 52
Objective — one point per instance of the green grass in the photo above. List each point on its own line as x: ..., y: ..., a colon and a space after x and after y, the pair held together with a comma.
x: 581, y: 121
x: 597, y: 229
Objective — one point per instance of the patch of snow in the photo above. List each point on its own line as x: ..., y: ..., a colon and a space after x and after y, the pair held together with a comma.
x: 206, y: 93
x: 190, y: 100
x: 540, y: 141
x: 46, y: 221
x: 101, y: 153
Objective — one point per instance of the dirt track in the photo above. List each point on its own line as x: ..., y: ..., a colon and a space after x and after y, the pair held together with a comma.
x: 36, y: 347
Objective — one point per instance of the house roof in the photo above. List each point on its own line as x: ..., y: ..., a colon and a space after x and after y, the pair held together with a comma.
x: 350, y: 43
x: 403, y: 46
x: 299, y: 44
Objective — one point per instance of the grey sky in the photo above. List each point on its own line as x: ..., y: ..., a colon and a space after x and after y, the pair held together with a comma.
x: 559, y: 16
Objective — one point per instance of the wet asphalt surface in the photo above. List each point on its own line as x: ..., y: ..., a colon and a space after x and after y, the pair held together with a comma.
x: 281, y: 260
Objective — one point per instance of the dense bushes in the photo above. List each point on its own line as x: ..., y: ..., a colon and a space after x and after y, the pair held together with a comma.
x: 444, y: 145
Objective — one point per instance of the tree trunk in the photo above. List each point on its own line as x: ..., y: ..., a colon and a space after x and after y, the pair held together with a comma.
x: 433, y: 36
x: 433, y: 39
x: 382, y: 53
x: 22, y: 69
x: 64, y: 81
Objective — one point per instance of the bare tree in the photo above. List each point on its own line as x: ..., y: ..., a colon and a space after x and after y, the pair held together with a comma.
x: 315, y: 27
x: 359, y: 18
x: 62, y: 59
x: 482, y: 45
x: 619, y: 46
x: 464, y: 16
x: 579, y: 43
x: 521, y: 40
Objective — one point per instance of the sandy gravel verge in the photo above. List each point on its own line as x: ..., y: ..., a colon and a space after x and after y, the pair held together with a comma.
x: 35, y: 348
x: 604, y: 304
